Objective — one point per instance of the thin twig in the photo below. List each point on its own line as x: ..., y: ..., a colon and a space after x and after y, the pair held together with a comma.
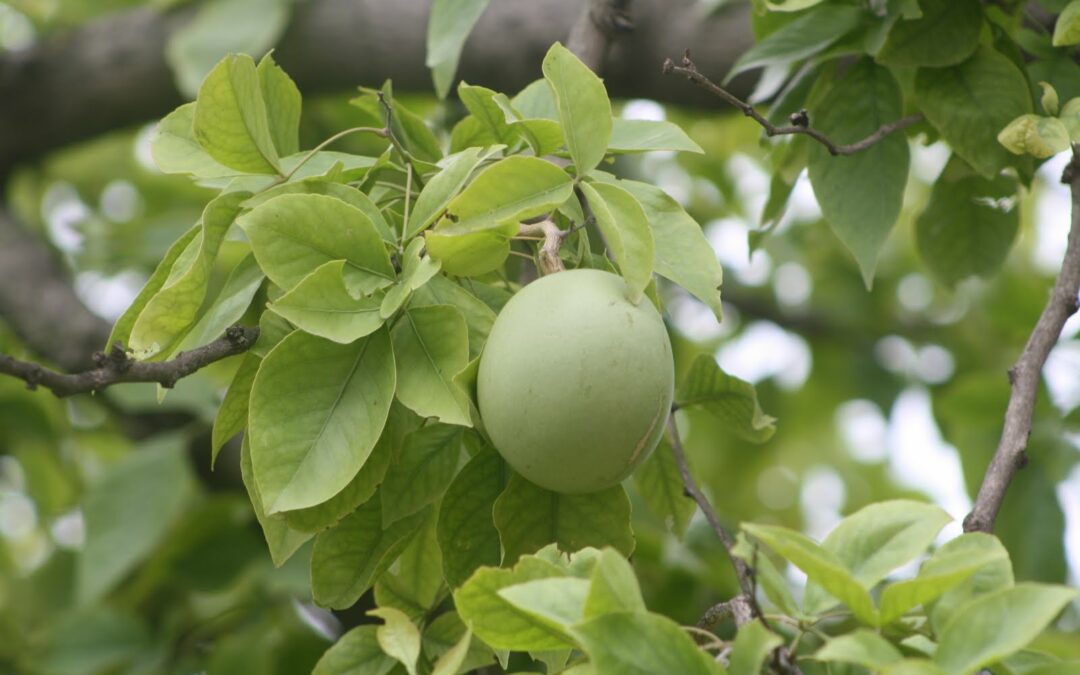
x: 550, y: 262
x: 742, y: 570
x: 1026, y: 374
x: 117, y: 367
x: 800, y: 122
x: 339, y: 135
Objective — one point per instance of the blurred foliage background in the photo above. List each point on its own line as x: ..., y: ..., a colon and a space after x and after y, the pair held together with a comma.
x: 128, y: 555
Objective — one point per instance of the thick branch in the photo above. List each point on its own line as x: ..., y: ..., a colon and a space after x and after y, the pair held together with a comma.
x: 800, y: 122
x: 1026, y: 375
x: 600, y: 22
x: 112, y: 73
x: 39, y: 304
x: 116, y: 367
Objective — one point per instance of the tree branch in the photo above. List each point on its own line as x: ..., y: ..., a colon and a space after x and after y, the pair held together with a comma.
x: 600, y: 22
x: 116, y: 367
x: 39, y: 304
x: 112, y: 73
x: 800, y: 122
x: 742, y: 570
x: 1026, y: 375
x: 553, y: 238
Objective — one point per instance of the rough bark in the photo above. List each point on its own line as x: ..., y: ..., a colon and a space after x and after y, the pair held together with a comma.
x: 112, y: 73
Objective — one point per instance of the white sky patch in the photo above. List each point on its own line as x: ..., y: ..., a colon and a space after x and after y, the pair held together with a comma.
x: 69, y: 530
x: 863, y: 428
x: 120, y: 201
x: 141, y: 149
x: 727, y: 236
x: 16, y: 29
x: 643, y: 109
x: 920, y: 459
x: 1062, y: 373
x: 792, y: 285
x: 927, y: 161
x: 695, y: 320
x: 915, y: 292
x: 802, y: 204
x: 18, y: 516
x: 766, y: 350
x: 1052, y: 210
x: 108, y: 297
x: 63, y: 210
x: 1068, y: 492
x: 751, y: 183
x: 822, y: 498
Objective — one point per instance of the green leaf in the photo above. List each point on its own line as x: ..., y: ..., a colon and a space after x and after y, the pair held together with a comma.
x: 321, y: 186
x: 529, y: 517
x: 997, y: 624
x: 1049, y: 99
x: 421, y: 471
x: 447, y: 631
x: 969, y: 224
x: 1070, y: 117
x: 173, y: 308
x: 790, y: 5
x: 453, y: 659
x: 729, y: 399
x: 1067, y: 28
x: 753, y: 643
x: 283, y: 103
x: 626, y: 230
x: 415, y: 273
x: 820, y: 565
x: 439, y: 190
x: 85, y: 641
x: 557, y: 601
x: 128, y: 513
x: 970, y: 102
x: 230, y: 120
x: 449, y: 25
x: 683, y: 254
x: 431, y: 344
x: 772, y: 582
x: 223, y: 27
x: 348, y: 558
x: 321, y: 305
x: 122, y: 329
x: 294, y: 234
x: 335, y: 398
x: 226, y: 309
x: 861, y: 647
x: 991, y: 577
x: 583, y: 106
x: 913, y: 667
x: 272, y: 330
x: 953, y: 563
x: 355, y: 653
x: 281, y: 539
x: 613, y: 586
x: 498, y: 622
x: 661, y: 487
x: 877, y: 539
x: 232, y: 415
x: 807, y: 35
x: 860, y: 194
x: 945, y: 34
x: 478, y: 316
x: 414, y: 586
x: 510, y: 190
x: 398, y: 637
x: 175, y: 150
x: 358, y: 491
x: 471, y: 254
x: 480, y: 102
x: 1035, y: 135
x: 642, y: 644
x: 648, y: 135
x: 544, y: 136
x: 466, y: 530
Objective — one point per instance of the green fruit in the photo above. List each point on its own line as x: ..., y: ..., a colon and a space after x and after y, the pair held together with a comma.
x: 575, y: 381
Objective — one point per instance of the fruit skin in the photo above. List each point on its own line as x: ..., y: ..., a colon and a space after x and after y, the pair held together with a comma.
x: 575, y: 381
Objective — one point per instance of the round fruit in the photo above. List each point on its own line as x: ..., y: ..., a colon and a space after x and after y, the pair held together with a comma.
x: 576, y: 381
